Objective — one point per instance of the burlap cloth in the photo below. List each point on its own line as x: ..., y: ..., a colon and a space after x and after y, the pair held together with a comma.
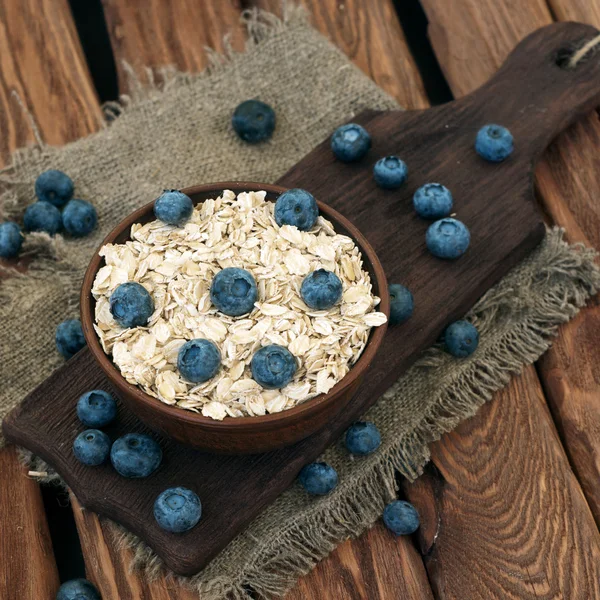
x: 177, y: 134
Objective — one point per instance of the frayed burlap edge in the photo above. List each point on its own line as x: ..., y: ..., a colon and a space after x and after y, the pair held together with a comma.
x: 565, y: 276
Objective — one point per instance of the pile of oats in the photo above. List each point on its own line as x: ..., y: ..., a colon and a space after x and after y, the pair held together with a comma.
x: 177, y: 264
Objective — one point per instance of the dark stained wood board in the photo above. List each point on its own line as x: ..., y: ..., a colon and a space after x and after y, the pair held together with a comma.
x: 437, y: 145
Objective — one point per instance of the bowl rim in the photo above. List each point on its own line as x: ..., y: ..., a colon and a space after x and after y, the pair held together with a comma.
x: 285, y: 417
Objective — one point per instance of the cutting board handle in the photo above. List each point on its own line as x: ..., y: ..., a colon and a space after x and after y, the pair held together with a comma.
x: 535, y: 93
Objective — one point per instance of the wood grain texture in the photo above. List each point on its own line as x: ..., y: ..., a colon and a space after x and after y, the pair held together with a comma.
x: 28, y: 569
x: 585, y: 11
x: 568, y: 180
x: 155, y: 33
x: 505, y: 524
x: 40, y: 61
x: 108, y: 564
x: 369, y: 33
x: 377, y: 565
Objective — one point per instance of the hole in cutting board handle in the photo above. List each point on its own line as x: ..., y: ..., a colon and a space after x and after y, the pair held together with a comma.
x: 563, y: 56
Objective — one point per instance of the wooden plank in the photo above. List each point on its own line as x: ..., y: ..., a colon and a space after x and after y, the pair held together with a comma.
x: 28, y: 566
x: 110, y: 564
x: 155, y: 33
x: 367, y: 31
x: 569, y: 371
x: 568, y: 179
x: 376, y: 565
x: 46, y: 71
x: 505, y: 524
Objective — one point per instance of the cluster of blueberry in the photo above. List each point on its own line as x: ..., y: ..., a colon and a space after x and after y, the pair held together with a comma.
x: 361, y: 439
x: 133, y: 455
x: 233, y: 292
x: 54, y: 190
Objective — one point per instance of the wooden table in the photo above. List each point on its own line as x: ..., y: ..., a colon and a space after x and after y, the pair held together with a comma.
x: 511, y: 499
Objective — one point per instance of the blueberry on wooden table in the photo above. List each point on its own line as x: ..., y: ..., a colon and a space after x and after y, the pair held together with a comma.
x: 91, y: 447
x: 401, y: 303
x: 461, y: 339
x: 77, y: 589
x: 173, y: 207
x: 390, y: 172
x: 298, y: 208
x: 363, y: 438
x: 177, y: 509
x: 42, y: 216
x: 253, y: 121
x: 55, y: 187
x: 131, y: 305
x: 350, y: 142
x: 447, y: 238
x: 273, y: 366
x: 79, y: 218
x: 401, y: 517
x: 69, y: 337
x: 135, y: 455
x: 318, y: 478
x: 198, y: 360
x: 11, y: 239
x: 96, y: 408
x: 233, y: 291
x: 494, y: 143
x: 433, y: 201
x: 321, y: 289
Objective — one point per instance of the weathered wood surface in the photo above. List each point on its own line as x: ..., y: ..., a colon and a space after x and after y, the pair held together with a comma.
x: 505, y: 524
x: 110, y: 564
x: 28, y: 568
x: 568, y: 180
x: 369, y: 33
x: 156, y: 33
x: 46, y: 71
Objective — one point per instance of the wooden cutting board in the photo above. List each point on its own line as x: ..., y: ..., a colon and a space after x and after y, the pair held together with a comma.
x: 535, y: 97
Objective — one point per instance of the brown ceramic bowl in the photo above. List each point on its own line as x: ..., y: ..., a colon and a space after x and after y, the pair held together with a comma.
x: 241, y: 435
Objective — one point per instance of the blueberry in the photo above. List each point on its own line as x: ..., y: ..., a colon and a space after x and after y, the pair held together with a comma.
x: 390, y: 172
x: 447, y: 238
x: 433, y: 201
x: 55, y: 187
x: 461, y: 338
x: 296, y: 207
x: 79, y: 218
x: 350, y: 142
x: 69, y: 337
x: 96, y: 408
x: 135, y: 455
x: 253, y: 121
x: 494, y: 143
x: 131, y: 305
x: 10, y: 239
x: 321, y: 289
x: 363, y: 438
x: 91, y: 447
x: 233, y: 291
x: 401, y: 303
x: 318, y: 478
x: 42, y: 216
x: 177, y: 509
x: 273, y: 366
x: 401, y: 517
x: 77, y: 589
x: 173, y: 207
x: 198, y: 360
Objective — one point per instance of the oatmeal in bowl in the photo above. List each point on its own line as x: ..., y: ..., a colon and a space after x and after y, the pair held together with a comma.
x: 241, y: 316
